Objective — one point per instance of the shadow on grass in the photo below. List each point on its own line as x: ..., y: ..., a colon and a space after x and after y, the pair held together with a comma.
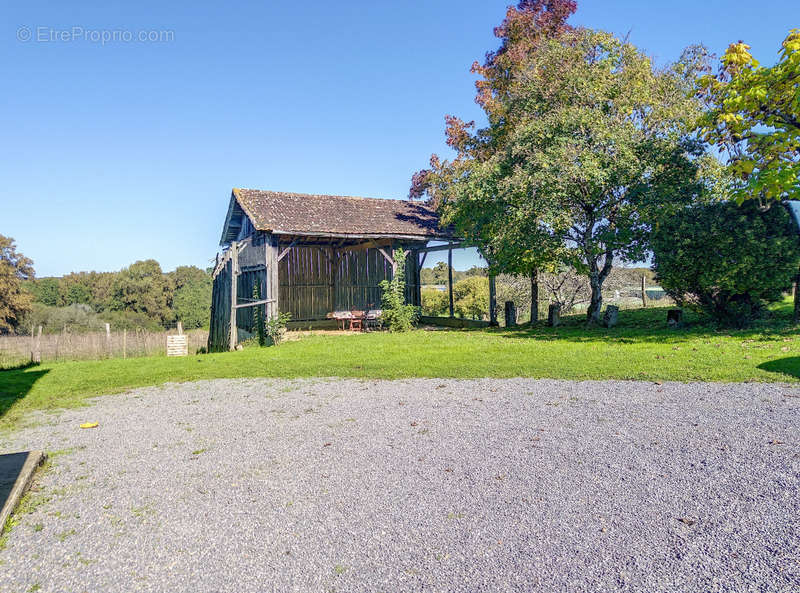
x: 786, y: 366
x: 16, y: 382
x: 649, y: 325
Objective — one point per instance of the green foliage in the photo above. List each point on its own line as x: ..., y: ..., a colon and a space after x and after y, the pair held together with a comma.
x: 726, y: 260
x: 143, y: 288
x: 276, y: 327
x: 191, y: 301
x: 79, y: 294
x: 754, y: 115
x: 435, y: 303
x: 44, y: 291
x: 15, y: 268
x: 471, y: 297
x: 139, y: 296
x: 397, y: 316
x: 80, y: 318
x: 593, y: 140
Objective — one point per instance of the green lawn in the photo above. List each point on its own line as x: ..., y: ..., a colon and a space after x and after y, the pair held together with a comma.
x: 641, y: 347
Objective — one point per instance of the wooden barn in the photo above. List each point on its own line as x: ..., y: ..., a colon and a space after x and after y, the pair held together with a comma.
x: 311, y: 255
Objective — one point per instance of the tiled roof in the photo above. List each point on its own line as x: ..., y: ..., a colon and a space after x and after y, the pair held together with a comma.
x: 288, y: 213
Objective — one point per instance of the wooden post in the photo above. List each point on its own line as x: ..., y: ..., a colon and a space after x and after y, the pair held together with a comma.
x: 124, y: 343
x: 492, y: 301
x: 417, y: 280
x: 234, y: 295
x: 510, y: 314
x: 644, y: 291
x: 450, y: 279
x: 273, y: 276
x: 36, y: 353
x: 796, y: 314
x: 534, y: 296
x: 108, y: 339
x: 180, y: 328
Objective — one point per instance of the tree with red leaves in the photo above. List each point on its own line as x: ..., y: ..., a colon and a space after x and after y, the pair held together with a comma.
x: 586, y: 139
x: 522, y: 30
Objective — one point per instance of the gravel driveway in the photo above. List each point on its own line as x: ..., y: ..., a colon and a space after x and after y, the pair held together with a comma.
x: 420, y: 485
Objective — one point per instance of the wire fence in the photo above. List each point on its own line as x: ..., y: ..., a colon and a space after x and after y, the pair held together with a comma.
x: 65, y: 345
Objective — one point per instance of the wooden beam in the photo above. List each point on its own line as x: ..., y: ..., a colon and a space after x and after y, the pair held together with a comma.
x: 234, y: 336
x: 254, y: 303
x: 371, y: 244
x: 453, y: 245
x: 285, y: 251
x: 450, y: 280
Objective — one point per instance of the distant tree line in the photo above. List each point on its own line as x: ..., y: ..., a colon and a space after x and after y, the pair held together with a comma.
x: 140, y: 295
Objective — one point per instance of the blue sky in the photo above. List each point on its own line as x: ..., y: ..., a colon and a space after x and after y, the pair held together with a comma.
x: 128, y: 149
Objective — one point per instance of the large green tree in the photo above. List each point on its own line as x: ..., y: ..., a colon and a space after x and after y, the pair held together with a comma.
x: 15, y: 268
x: 754, y: 117
x: 590, y: 142
x: 191, y: 301
x: 143, y: 288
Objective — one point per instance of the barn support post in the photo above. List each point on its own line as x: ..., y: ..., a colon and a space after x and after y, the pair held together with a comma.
x: 450, y: 280
x: 492, y: 301
x: 234, y: 285
x: 272, y: 274
x: 416, y: 295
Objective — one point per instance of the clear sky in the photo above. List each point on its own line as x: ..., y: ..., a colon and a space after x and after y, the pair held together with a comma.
x: 128, y: 149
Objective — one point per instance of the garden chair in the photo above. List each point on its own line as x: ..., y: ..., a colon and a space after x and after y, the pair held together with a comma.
x: 357, y: 321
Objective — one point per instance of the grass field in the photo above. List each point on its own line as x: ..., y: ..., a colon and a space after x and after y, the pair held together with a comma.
x: 641, y: 347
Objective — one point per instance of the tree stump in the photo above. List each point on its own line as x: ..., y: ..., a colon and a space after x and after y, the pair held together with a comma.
x: 554, y: 315
x: 611, y: 316
x: 674, y: 318
x: 510, y: 314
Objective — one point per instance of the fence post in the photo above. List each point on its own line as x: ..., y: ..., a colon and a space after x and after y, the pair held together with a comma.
x: 124, y: 343
x: 108, y: 339
x: 36, y: 353
x: 644, y: 291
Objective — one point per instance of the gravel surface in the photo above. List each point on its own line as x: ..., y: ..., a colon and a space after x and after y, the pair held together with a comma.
x: 420, y: 485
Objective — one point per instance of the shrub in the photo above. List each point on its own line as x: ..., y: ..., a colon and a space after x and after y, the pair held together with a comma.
x: 471, y: 296
x: 276, y: 327
x: 435, y: 302
x: 726, y: 260
x: 397, y: 315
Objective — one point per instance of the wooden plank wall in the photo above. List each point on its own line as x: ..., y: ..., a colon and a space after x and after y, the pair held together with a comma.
x: 219, y: 327
x: 314, y: 281
x: 309, y: 282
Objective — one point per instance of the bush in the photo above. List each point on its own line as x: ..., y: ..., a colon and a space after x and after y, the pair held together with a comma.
x: 396, y: 314
x: 435, y: 302
x: 471, y: 296
x: 276, y: 328
x: 726, y: 260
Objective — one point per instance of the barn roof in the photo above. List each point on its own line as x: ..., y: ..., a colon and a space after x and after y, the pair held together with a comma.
x: 335, y: 216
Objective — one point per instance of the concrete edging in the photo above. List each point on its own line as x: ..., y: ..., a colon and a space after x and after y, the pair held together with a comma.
x: 33, y: 461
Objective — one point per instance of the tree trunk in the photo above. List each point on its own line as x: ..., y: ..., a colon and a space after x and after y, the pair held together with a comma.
x: 596, y: 302
x: 534, y: 296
